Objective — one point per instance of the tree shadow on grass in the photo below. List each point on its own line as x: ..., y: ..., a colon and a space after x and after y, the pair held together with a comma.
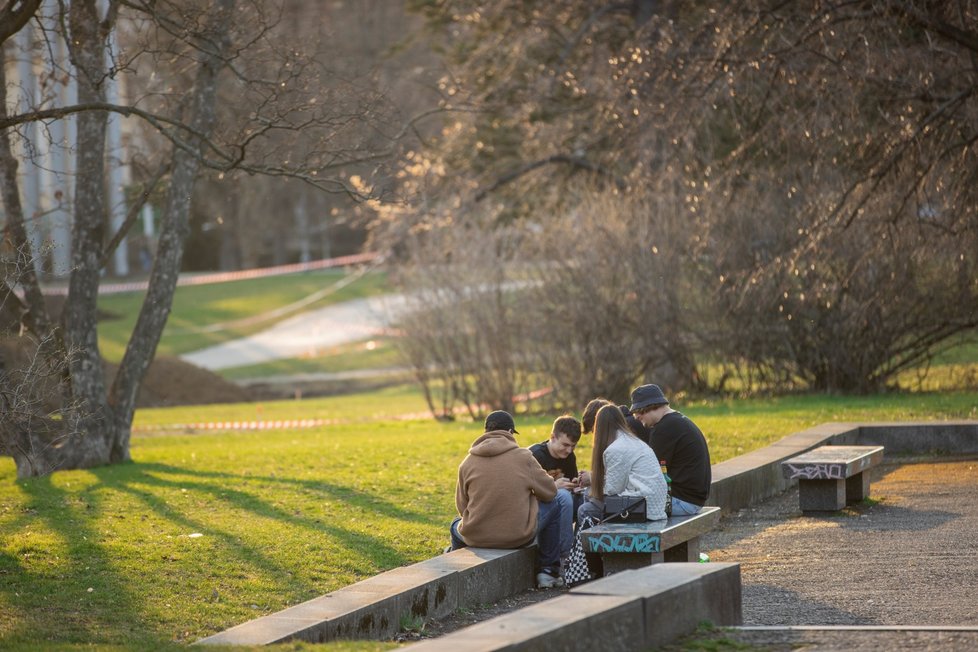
x: 379, y: 553
x: 115, y: 612
x: 352, y: 497
x: 66, y: 605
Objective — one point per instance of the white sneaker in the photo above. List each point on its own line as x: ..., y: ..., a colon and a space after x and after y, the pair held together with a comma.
x: 548, y: 581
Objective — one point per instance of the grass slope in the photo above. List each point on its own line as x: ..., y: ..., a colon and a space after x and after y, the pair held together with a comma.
x: 206, y: 530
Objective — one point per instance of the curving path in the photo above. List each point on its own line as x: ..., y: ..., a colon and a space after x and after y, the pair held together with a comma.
x: 305, y: 333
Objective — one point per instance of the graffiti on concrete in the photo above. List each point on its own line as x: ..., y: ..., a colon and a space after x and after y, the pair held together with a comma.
x: 817, y: 471
x: 625, y: 543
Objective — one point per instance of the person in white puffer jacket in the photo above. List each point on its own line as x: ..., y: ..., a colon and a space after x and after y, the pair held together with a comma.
x: 622, y: 465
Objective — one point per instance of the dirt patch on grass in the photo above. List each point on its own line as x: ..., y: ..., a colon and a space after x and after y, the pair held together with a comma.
x: 169, y: 381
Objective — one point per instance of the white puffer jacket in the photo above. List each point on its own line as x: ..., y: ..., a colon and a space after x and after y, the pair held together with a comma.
x: 632, y: 469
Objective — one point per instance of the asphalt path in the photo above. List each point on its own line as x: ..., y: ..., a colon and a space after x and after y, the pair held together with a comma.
x: 306, y: 334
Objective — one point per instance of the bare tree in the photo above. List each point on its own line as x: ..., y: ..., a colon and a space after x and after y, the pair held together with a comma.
x: 855, y: 130
x: 290, y: 132
x: 818, y: 158
x: 467, y: 320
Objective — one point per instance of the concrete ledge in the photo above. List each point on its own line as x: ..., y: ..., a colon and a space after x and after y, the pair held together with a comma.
x: 632, y: 610
x: 373, y: 608
x: 755, y: 476
x: 902, y: 438
x: 678, y: 597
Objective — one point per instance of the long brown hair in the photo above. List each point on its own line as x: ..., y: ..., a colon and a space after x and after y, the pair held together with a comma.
x: 607, y: 423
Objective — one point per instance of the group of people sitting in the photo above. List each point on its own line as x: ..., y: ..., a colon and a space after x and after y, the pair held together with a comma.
x: 508, y: 496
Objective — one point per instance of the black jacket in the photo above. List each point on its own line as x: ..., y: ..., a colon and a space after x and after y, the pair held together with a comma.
x: 681, y: 444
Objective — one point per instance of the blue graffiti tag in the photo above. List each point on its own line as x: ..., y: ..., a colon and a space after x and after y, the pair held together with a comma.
x: 625, y: 543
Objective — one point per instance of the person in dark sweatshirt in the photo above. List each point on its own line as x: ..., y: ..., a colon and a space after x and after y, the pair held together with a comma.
x: 680, y: 444
x: 556, y: 456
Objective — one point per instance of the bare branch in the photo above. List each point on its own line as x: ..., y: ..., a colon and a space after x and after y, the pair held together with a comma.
x: 573, y: 161
x: 14, y: 15
x: 133, y: 213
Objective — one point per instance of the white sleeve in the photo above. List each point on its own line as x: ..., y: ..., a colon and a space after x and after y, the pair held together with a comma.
x: 616, y: 468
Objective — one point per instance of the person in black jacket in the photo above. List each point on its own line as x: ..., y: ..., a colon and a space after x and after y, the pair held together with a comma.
x: 556, y: 456
x: 680, y: 444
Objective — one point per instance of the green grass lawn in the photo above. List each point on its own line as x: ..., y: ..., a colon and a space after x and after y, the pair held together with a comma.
x: 197, y: 306
x: 377, y: 353
x: 207, y: 530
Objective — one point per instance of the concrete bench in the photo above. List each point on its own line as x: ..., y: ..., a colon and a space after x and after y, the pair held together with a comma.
x: 831, y: 477
x: 634, y: 610
x: 624, y: 546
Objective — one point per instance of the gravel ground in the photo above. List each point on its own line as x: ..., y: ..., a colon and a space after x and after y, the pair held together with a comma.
x: 826, y: 640
x: 910, y: 557
x: 907, y: 557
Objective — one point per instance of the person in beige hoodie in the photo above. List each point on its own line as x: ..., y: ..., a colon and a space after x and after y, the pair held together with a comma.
x: 505, y: 499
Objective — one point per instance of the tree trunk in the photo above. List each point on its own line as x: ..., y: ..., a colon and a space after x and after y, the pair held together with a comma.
x: 173, y: 235
x: 96, y: 426
x: 37, y: 316
x: 88, y: 412
x: 34, y: 442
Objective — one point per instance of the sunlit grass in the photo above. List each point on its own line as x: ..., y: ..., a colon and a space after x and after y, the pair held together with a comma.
x: 285, y: 515
x: 384, y: 404
x: 197, y: 306
x: 379, y: 353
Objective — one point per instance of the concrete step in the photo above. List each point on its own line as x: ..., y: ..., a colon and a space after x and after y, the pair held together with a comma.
x: 632, y: 610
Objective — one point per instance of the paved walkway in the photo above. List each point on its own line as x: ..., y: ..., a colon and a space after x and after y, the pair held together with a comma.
x: 909, y: 560
x: 304, y: 334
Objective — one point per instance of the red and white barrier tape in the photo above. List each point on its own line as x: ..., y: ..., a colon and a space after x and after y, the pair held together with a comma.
x: 224, y: 277
x: 304, y: 423
x: 239, y: 425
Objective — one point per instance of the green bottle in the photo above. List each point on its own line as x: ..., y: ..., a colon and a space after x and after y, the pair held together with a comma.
x: 665, y: 473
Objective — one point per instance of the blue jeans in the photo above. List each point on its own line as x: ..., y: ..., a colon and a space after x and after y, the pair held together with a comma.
x: 457, y: 542
x: 579, y: 498
x: 565, y: 503
x: 550, y: 521
x: 682, y: 508
x: 592, y: 509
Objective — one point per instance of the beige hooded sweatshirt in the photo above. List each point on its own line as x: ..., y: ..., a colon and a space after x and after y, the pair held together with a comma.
x: 498, y: 487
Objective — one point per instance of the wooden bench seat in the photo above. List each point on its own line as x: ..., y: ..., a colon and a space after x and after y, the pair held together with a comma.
x: 831, y: 477
x: 624, y: 546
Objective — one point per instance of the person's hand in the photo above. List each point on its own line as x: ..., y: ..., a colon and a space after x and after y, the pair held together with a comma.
x: 564, y: 483
x: 584, y: 479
